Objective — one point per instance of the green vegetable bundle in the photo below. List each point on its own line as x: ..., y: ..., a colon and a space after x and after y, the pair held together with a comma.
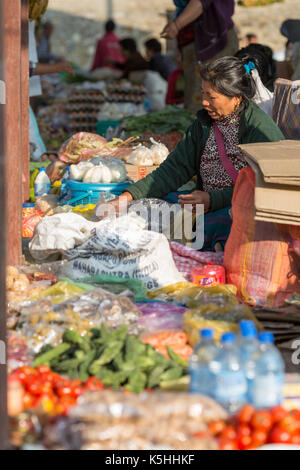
x: 168, y: 120
x: 116, y: 358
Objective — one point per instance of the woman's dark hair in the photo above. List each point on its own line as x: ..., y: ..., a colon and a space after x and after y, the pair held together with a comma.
x: 110, y: 26
x: 128, y: 44
x: 153, y: 45
x: 228, y: 76
x: 262, y: 56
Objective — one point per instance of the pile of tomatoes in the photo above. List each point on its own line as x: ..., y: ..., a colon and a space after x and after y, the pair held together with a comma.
x: 251, y: 428
x: 50, y: 392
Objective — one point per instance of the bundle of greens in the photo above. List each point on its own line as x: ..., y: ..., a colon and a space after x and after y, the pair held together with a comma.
x: 169, y: 119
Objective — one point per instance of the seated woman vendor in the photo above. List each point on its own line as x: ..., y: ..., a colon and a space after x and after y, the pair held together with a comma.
x: 209, y: 148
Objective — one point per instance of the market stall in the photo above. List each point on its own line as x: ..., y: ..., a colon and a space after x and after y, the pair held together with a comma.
x: 122, y: 335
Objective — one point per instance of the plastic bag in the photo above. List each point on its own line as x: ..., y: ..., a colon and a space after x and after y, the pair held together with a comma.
x: 42, y: 322
x: 222, y: 318
x: 117, y: 285
x: 62, y: 291
x: 29, y: 224
x: 141, y: 156
x: 108, y: 420
x: 159, y: 152
x: 81, y: 146
x: 176, y: 340
x: 160, y: 316
x: 78, y: 172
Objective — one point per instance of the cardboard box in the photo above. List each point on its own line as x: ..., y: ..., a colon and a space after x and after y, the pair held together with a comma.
x: 137, y: 172
x: 277, y: 180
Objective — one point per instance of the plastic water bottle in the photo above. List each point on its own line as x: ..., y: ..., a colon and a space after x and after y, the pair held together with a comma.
x: 42, y: 184
x: 265, y: 374
x: 247, y: 341
x: 230, y: 384
x: 199, y: 365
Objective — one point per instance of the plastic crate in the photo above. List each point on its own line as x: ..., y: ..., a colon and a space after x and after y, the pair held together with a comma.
x: 86, y: 193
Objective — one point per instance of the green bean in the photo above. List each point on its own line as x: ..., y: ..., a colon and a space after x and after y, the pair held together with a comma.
x: 171, y: 374
x: 176, y: 358
x: 48, y: 356
x: 84, y: 366
x: 110, y: 352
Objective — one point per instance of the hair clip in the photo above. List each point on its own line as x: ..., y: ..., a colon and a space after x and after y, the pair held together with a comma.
x: 250, y: 66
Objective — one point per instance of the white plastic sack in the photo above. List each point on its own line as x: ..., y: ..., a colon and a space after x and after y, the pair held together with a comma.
x: 123, y: 247
x: 156, y: 88
x: 59, y: 233
x: 263, y: 97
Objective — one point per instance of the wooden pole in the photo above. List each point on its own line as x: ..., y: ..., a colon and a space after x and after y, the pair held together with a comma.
x: 13, y: 123
x: 3, y: 371
x: 25, y: 101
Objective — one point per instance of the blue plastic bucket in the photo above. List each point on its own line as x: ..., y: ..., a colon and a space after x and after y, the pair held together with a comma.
x: 87, y: 193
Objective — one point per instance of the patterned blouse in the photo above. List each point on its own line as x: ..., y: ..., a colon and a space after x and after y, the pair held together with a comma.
x: 213, y: 174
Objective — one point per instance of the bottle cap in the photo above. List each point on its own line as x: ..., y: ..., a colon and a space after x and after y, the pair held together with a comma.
x: 228, y: 338
x: 207, y: 333
x: 42, y: 169
x: 248, y: 329
x: 266, y: 337
x: 28, y: 204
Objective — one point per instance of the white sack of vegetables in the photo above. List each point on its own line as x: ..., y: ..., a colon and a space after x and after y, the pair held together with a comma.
x: 123, y: 247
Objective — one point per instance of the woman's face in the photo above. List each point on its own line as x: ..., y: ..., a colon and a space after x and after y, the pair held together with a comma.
x: 217, y: 104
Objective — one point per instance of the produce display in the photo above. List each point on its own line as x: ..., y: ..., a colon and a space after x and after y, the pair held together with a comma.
x: 252, y: 428
x: 114, y: 357
x: 176, y: 340
x: 86, y: 146
x: 42, y: 322
x: 114, y: 420
x: 162, y: 122
x: 20, y: 286
x: 145, y: 156
x: 51, y: 393
x: 99, y: 170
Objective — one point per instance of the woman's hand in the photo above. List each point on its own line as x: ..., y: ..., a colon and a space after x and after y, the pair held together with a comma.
x: 170, y: 31
x: 196, y: 197
x: 114, y: 207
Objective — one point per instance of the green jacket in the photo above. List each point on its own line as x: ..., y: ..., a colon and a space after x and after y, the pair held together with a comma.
x: 184, y: 162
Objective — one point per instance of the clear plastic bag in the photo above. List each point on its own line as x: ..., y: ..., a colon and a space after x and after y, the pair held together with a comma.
x: 160, y: 316
x: 114, y: 420
x: 42, y: 322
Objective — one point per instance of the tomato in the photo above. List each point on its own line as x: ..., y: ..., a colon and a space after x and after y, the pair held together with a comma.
x: 47, y: 403
x: 261, y: 419
x: 228, y: 433
x: 60, y: 382
x: 64, y: 404
x: 245, y: 414
x: 93, y: 384
x: 243, y: 430
x: 278, y: 412
x: 35, y: 386
x: 289, y: 423
x: 43, y: 370
x: 295, y: 439
x: 296, y: 414
x: 64, y: 391
x: 28, y: 400
x: 259, y: 437
x: 228, y: 444
x: 278, y: 435
x: 244, y: 442
x: 23, y: 374
x: 216, y: 427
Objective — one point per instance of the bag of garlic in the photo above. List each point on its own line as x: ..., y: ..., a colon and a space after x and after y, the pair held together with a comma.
x: 159, y: 152
x: 141, y: 156
x: 99, y: 170
x: 123, y: 247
